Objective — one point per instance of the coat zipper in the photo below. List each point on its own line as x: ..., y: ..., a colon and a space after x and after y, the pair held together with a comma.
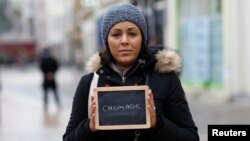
x: 137, y: 134
x: 124, y: 78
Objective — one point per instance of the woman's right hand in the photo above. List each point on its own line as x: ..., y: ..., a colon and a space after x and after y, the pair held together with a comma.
x: 92, y: 113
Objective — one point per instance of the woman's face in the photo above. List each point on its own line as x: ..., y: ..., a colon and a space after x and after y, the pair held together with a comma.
x: 124, y: 41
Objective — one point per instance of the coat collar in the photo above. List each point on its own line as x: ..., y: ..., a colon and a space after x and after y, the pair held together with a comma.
x: 167, y: 61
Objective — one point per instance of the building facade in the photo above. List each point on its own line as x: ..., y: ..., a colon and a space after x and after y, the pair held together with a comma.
x: 211, y: 36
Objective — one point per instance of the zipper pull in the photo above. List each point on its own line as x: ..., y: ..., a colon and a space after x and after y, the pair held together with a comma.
x: 123, y: 79
x: 137, y: 134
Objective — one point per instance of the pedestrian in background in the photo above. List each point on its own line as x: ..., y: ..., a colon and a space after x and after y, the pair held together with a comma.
x: 49, y: 67
x: 128, y: 61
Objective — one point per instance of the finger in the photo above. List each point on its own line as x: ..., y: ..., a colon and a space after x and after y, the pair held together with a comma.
x: 92, y: 123
x: 92, y: 98
x: 151, y: 101
x: 93, y: 107
x: 151, y: 95
x: 93, y: 118
x: 151, y: 107
x: 92, y: 101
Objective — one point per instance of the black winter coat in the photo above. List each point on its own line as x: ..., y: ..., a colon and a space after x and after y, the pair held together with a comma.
x: 48, y: 65
x: 174, y: 120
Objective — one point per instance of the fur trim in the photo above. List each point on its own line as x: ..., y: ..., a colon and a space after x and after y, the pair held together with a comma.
x: 94, y: 63
x: 167, y: 61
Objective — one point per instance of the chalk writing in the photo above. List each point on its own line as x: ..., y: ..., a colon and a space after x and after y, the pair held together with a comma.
x: 106, y: 108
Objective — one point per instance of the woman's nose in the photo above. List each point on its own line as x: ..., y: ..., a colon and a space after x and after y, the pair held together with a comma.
x: 124, y: 40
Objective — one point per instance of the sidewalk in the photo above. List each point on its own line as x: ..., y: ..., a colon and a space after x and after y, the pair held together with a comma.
x: 206, y: 110
x: 22, y: 115
x: 23, y: 119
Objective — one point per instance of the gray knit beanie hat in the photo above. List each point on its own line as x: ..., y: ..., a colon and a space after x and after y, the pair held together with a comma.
x: 119, y: 13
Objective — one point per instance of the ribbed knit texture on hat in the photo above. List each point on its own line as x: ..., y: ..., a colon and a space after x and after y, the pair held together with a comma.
x: 123, y: 12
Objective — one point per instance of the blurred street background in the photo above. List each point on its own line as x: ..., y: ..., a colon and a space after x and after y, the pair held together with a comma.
x: 211, y: 36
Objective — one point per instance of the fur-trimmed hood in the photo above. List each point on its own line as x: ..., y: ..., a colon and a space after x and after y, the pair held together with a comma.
x: 167, y: 60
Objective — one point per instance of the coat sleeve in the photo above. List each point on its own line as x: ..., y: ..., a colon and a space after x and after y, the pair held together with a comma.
x: 175, y: 123
x: 78, y: 126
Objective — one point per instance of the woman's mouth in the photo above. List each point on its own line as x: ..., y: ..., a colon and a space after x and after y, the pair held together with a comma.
x: 124, y: 51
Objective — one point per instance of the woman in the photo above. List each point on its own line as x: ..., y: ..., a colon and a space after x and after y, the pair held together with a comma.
x: 127, y: 61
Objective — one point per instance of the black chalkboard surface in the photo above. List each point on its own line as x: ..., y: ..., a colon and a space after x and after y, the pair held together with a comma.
x: 121, y: 108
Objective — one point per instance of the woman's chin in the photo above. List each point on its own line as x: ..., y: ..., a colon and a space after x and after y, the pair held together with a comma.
x: 126, y: 61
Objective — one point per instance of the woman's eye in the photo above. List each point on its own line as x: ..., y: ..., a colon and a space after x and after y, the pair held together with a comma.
x: 116, y: 35
x: 132, y: 34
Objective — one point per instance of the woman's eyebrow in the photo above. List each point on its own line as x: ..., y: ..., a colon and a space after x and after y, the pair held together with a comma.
x: 132, y: 28
x: 118, y: 29
x: 115, y: 29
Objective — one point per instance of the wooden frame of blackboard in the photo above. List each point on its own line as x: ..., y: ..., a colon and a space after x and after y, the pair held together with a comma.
x: 127, y: 126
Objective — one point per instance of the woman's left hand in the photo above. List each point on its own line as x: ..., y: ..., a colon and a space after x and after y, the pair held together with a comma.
x: 151, y: 108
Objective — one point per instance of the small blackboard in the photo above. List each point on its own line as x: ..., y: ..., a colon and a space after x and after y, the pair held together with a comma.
x: 122, y: 107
